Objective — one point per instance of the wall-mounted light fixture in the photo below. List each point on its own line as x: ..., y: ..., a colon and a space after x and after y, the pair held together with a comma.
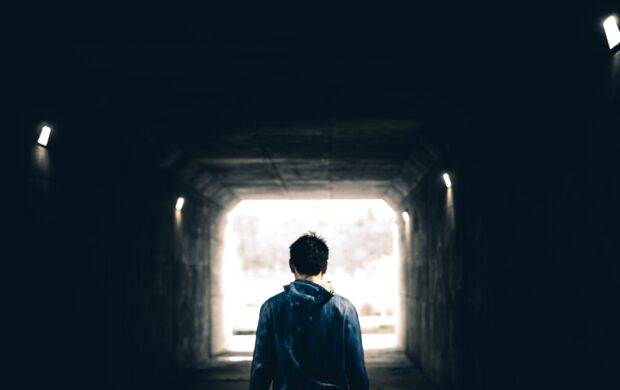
x: 405, y: 216
x: 612, y: 31
x: 44, y: 136
x: 446, y: 178
x: 180, y: 203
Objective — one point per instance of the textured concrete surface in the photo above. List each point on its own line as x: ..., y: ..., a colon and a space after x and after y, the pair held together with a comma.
x: 157, y: 280
x: 329, y: 159
x: 434, y: 280
x: 387, y: 370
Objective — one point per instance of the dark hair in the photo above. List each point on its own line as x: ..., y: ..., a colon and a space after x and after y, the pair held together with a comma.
x: 309, y: 254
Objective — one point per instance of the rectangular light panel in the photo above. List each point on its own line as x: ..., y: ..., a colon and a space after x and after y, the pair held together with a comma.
x: 611, y: 31
x: 180, y: 203
x: 44, y: 136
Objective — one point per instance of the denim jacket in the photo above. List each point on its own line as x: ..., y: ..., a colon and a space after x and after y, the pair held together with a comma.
x: 308, y: 338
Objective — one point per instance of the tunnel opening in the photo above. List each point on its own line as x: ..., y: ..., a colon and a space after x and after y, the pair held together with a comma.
x: 362, y: 235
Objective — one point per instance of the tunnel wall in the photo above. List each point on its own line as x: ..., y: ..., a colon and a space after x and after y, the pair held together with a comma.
x: 118, y: 281
x: 511, y: 286
x: 433, y: 279
x: 158, y: 284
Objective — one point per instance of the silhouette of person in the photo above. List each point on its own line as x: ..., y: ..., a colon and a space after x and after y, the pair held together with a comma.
x: 308, y: 337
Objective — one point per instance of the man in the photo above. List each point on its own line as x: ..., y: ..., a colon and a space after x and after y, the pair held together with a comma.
x: 308, y: 337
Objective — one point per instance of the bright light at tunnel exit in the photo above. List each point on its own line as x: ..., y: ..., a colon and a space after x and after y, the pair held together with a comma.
x: 446, y: 179
x: 180, y: 203
x: 612, y: 31
x: 44, y: 136
x: 272, y: 225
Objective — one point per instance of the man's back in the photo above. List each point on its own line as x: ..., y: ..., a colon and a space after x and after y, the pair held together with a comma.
x: 308, y: 338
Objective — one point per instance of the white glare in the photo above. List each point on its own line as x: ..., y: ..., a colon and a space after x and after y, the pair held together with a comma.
x: 406, y: 216
x: 611, y: 31
x: 362, y: 237
x: 180, y: 202
x: 339, y: 210
x: 44, y: 136
x: 446, y: 178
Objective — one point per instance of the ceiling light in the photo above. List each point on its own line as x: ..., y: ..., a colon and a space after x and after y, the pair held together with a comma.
x: 446, y: 178
x: 611, y: 31
x: 44, y: 136
x: 180, y: 203
x: 406, y: 216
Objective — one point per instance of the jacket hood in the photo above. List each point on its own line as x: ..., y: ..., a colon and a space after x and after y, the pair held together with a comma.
x: 303, y: 293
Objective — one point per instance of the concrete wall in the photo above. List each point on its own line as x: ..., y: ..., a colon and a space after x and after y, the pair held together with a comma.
x: 510, y: 286
x: 112, y: 285
x: 433, y: 279
x: 158, y: 288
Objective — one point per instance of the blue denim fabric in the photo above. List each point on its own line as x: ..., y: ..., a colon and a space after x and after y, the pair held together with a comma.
x: 308, y: 338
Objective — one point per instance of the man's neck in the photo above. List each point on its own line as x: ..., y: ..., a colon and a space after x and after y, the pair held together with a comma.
x: 311, y: 278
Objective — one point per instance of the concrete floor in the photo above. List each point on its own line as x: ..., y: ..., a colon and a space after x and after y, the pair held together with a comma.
x: 386, y: 370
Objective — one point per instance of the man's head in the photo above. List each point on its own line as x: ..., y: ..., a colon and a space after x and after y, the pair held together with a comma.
x: 309, y: 255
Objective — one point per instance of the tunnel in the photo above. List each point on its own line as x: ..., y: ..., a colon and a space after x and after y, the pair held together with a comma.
x: 507, y: 270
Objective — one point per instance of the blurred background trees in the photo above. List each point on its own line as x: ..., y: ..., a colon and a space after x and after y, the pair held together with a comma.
x: 362, y: 263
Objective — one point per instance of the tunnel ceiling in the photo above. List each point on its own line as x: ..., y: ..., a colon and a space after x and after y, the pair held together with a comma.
x: 334, y: 159
x: 286, y: 110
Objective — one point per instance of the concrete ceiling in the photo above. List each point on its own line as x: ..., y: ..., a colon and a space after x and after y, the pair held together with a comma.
x: 333, y: 103
x: 283, y: 111
x: 296, y: 132
x: 341, y: 159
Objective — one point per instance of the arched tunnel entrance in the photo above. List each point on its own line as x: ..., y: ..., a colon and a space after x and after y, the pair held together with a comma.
x: 364, y: 264
x: 507, y: 272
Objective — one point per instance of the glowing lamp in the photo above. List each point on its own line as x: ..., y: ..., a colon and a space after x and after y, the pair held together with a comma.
x: 406, y: 217
x: 44, y: 136
x: 180, y: 203
x: 446, y: 178
x: 611, y: 31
